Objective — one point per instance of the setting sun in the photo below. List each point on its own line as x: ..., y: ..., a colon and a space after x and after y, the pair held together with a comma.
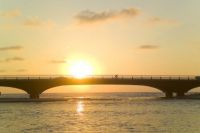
x: 80, y: 69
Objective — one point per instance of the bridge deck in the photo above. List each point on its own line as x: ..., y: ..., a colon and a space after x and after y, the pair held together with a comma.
x: 133, y: 77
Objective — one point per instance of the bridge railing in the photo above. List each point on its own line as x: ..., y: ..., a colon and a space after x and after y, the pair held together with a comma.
x: 153, y: 77
x: 132, y: 77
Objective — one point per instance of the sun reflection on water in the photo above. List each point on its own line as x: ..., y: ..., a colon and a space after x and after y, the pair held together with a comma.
x: 80, y: 107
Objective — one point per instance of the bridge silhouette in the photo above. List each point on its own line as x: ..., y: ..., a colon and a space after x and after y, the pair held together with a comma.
x: 36, y: 85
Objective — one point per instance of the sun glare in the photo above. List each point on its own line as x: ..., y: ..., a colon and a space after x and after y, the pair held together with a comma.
x: 80, y: 107
x: 80, y: 69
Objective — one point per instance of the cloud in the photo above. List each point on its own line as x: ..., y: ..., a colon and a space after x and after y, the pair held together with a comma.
x: 148, y: 47
x: 9, y: 48
x: 21, y: 70
x: 88, y: 16
x: 37, y: 22
x: 34, y: 21
x: 92, y: 17
x: 2, y: 70
x: 12, y: 59
x: 57, y: 61
x: 10, y: 13
x: 161, y: 21
x: 7, y: 26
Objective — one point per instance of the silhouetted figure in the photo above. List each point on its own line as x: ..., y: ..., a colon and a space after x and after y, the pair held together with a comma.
x: 116, y: 76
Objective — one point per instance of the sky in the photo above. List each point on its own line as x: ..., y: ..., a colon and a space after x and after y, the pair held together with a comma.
x: 151, y: 37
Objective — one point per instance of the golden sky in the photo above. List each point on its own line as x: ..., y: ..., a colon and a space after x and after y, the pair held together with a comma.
x: 114, y: 36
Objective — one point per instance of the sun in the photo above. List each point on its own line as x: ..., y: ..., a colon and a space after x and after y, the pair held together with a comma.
x: 80, y: 69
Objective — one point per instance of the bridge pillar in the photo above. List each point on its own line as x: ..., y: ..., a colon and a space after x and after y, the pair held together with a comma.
x: 180, y: 94
x: 34, y: 96
x: 169, y: 94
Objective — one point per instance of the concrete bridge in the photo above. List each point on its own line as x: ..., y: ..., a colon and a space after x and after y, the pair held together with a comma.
x: 36, y: 85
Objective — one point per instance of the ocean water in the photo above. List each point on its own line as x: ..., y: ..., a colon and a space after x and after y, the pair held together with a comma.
x: 101, y: 113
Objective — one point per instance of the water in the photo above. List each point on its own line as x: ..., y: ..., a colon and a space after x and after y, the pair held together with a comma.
x: 101, y: 113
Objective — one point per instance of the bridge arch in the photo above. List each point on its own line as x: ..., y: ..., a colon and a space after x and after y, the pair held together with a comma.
x: 13, y: 87
x: 100, y: 88
x: 9, y: 89
x: 64, y: 88
x: 195, y: 89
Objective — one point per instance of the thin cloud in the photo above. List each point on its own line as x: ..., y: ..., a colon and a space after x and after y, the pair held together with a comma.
x: 161, y: 21
x: 37, y: 22
x: 57, y: 61
x: 34, y: 21
x: 2, y: 71
x: 7, y: 26
x: 21, y: 70
x: 149, y: 47
x: 14, y: 59
x: 10, y: 13
x: 88, y: 16
x: 10, y: 48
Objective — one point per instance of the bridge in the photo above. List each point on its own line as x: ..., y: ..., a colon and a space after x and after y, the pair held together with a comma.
x: 36, y: 85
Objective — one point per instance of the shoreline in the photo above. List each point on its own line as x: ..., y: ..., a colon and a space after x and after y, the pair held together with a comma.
x: 18, y: 100
x: 10, y: 100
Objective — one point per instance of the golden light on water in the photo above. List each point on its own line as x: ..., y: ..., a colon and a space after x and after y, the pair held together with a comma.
x: 80, y: 107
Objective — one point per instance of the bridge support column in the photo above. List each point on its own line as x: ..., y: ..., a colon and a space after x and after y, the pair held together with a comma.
x: 169, y: 94
x: 180, y: 94
x: 34, y: 96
